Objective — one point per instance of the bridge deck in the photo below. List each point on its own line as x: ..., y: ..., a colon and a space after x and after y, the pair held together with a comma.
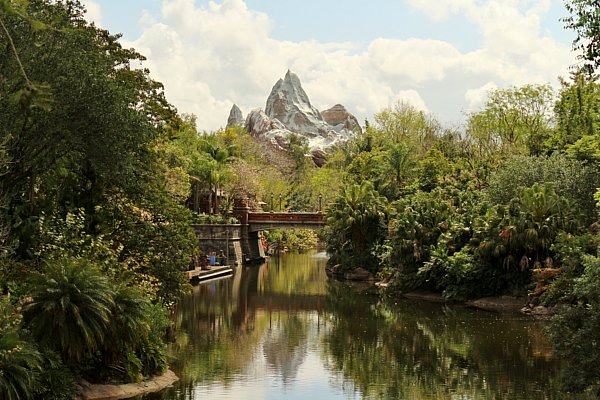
x: 272, y: 220
x: 285, y: 217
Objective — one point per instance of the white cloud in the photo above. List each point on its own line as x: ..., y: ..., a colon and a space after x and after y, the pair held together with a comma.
x: 412, y: 60
x: 211, y: 57
x: 94, y: 11
x: 411, y: 97
x: 476, y: 97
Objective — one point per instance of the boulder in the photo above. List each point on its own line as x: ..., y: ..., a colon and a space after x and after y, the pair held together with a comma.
x: 125, y: 391
x: 334, y: 271
x: 319, y: 157
x: 359, y: 274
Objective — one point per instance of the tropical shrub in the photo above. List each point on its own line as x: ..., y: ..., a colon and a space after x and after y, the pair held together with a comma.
x: 570, y: 178
x: 20, y: 362
x: 457, y: 276
x: 521, y: 234
x: 356, y: 225
x: 294, y: 239
x: 57, y: 382
x: 70, y: 308
x: 199, y: 218
x: 575, y: 331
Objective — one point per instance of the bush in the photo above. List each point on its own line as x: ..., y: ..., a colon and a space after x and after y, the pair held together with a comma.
x: 294, y: 239
x: 70, y: 309
x: 570, y: 178
x: 575, y: 331
x: 215, y: 219
x: 57, y: 382
x: 20, y: 362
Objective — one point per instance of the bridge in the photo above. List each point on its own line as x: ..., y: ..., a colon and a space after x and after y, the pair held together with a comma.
x: 254, y: 222
x: 260, y: 221
x: 241, y: 242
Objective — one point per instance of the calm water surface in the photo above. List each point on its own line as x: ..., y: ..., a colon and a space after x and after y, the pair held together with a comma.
x: 283, y: 331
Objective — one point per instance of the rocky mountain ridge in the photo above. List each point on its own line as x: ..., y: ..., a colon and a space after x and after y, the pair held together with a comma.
x: 288, y: 111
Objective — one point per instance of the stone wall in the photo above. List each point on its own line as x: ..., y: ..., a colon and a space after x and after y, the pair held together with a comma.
x: 221, y: 237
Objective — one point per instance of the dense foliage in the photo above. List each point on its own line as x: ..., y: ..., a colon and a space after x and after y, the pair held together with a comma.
x: 506, y: 207
x: 94, y: 232
x: 100, y: 179
x: 585, y: 21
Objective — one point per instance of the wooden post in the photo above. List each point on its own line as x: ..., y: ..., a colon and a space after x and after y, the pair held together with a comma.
x: 227, y: 246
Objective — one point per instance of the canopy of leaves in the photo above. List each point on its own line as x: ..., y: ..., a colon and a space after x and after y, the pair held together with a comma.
x: 585, y: 21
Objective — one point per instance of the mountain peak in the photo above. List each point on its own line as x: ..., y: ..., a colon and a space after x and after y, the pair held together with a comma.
x: 235, y: 117
x: 289, y: 103
x: 288, y: 110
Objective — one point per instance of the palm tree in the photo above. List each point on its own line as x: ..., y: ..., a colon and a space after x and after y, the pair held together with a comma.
x: 70, y: 308
x: 525, y: 229
x: 215, y: 171
x: 398, y: 162
x: 536, y: 217
x: 19, y: 360
x: 355, y: 220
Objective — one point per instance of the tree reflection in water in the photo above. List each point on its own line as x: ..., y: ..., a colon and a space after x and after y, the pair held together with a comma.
x: 428, y: 351
x: 283, y: 330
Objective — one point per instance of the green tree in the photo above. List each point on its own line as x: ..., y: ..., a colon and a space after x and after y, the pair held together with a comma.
x: 60, y: 162
x: 577, y: 130
x: 576, y: 111
x: 574, y: 331
x: 355, y: 225
x: 215, y: 170
x: 570, y: 178
x: 513, y: 120
x: 585, y: 21
x: 399, y: 164
x: 404, y: 123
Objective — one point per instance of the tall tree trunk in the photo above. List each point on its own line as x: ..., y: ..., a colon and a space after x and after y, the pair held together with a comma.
x: 210, y: 199
x: 31, y: 192
x: 217, y: 211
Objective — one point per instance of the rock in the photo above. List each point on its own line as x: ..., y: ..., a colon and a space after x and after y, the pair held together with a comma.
x: 503, y: 303
x: 288, y: 110
x: 289, y: 103
x: 359, y: 274
x: 340, y: 118
x: 334, y: 271
x: 543, y: 312
x: 129, y: 390
x: 236, y: 118
x: 319, y: 157
x: 426, y: 296
x: 259, y: 125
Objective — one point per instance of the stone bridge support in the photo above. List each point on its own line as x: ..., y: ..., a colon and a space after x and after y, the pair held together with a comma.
x: 254, y: 251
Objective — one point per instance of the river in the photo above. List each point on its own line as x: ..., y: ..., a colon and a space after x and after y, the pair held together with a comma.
x: 282, y: 330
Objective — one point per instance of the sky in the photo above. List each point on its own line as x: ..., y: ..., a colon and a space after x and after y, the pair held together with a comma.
x: 441, y: 56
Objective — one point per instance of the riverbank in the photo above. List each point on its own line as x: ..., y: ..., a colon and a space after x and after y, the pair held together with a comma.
x: 496, y: 303
x: 128, y: 390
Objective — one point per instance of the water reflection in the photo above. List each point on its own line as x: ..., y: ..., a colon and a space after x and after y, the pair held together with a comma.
x: 282, y: 330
